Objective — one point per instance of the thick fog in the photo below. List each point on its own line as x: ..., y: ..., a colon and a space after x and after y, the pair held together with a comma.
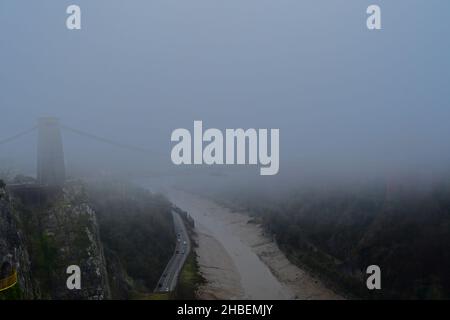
x: 349, y: 102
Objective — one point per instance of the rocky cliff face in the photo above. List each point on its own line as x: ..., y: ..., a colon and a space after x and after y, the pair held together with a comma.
x: 13, y: 251
x: 70, y: 235
x: 58, y: 229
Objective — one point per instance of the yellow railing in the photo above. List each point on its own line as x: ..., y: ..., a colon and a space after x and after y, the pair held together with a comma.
x: 8, y: 282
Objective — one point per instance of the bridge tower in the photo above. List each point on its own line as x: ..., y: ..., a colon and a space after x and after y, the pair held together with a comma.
x: 50, y: 155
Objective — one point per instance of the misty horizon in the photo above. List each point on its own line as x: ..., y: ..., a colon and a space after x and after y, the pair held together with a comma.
x: 344, y: 107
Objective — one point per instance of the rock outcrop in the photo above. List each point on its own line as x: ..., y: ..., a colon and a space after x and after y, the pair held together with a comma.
x: 43, y: 231
x: 69, y: 227
x: 13, y: 251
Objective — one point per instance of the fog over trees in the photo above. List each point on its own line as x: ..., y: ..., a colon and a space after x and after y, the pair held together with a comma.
x: 364, y: 155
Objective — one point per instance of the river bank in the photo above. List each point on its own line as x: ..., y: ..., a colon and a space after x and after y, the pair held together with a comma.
x: 239, y: 261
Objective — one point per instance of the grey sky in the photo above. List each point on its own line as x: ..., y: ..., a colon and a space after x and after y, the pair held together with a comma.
x: 346, y: 99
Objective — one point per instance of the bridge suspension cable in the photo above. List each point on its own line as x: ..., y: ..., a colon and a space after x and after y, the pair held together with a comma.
x: 105, y: 140
x: 86, y: 135
x: 17, y: 136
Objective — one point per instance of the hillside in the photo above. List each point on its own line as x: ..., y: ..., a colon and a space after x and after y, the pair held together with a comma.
x: 337, y: 234
x: 121, y: 240
x: 137, y: 232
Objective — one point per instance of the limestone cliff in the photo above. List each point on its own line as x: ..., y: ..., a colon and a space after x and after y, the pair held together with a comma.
x: 69, y: 226
x: 60, y: 230
x: 13, y: 252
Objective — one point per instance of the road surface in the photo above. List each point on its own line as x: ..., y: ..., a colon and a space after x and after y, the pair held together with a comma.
x: 169, y: 278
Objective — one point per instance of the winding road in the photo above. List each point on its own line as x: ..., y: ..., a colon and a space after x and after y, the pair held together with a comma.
x: 169, y: 278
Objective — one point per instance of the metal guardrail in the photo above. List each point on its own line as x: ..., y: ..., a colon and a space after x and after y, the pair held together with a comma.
x: 8, y: 282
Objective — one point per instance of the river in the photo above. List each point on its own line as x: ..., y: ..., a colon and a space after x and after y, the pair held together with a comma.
x: 238, y: 260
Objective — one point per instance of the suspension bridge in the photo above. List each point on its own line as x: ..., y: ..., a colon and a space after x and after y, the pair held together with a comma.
x: 50, y: 169
x: 50, y: 172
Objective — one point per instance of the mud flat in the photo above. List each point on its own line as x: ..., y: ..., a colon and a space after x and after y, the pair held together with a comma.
x: 217, y: 267
x: 239, y: 261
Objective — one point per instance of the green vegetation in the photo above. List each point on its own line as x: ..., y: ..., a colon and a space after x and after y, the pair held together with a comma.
x: 136, y: 229
x: 136, y: 233
x: 189, y: 279
x: 42, y: 249
x: 337, y: 234
x: 152, y: 296
x: 13, y: 293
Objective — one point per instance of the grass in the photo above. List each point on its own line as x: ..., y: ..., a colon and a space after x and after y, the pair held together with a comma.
x: 14, y: 293
x: 152, y: 296
x: 188, y: 283
x: 190, y: 279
